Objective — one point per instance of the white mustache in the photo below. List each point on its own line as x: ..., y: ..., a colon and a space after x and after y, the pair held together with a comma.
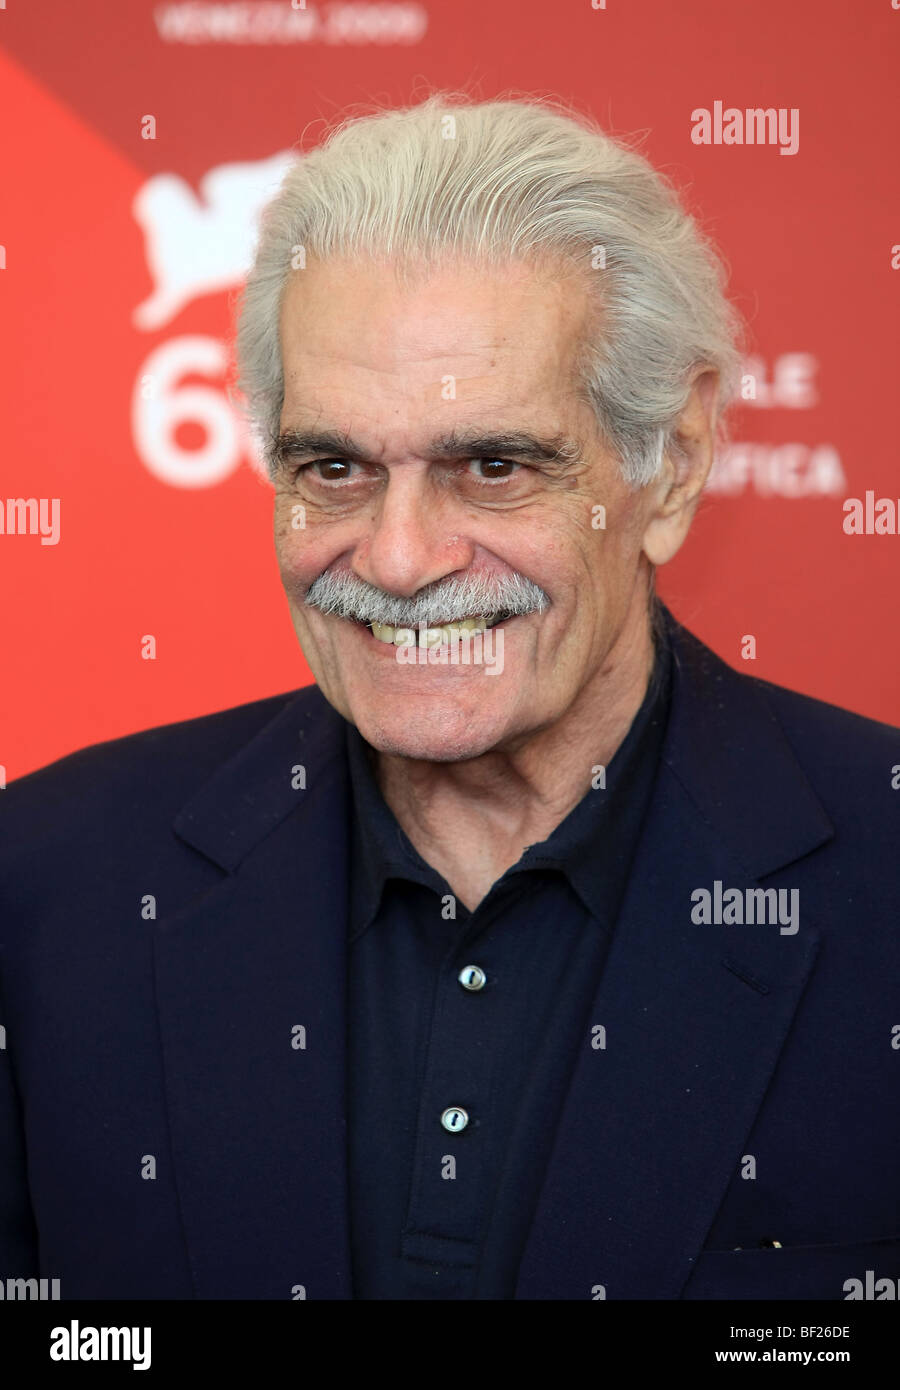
x: 449, y: 600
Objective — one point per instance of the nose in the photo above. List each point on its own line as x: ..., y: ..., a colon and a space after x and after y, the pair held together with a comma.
x: 412, y: 540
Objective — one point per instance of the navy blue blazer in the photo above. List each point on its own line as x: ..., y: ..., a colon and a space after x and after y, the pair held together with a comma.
x: 173, y: 909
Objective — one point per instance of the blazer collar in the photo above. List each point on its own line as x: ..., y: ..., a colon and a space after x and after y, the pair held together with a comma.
x: 731, y: 757
x: 280, y: 772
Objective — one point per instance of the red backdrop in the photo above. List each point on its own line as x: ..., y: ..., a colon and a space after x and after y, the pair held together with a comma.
x: 122, y: 254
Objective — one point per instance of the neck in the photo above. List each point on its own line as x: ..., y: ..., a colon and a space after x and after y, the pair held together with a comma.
x: 472, y: 820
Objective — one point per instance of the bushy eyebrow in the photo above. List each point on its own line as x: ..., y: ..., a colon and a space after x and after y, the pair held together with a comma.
x: 555, y: 448
x: 295, y: 446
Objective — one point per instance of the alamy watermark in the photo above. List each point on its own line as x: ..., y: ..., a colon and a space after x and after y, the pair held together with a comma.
x: 755, y: 125
x: 31, y: 516
x: 740, y: 906
x: 23, y: 1290
x: 451, y: 646
x: 77, y: 1343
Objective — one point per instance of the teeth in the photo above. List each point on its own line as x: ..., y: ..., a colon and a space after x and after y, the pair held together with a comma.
x: 407, y: 636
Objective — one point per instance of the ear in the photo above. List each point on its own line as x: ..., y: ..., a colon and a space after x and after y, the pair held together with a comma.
x: 674, y: 495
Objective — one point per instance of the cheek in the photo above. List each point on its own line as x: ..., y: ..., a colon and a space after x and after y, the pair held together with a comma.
x: 587, y: 572
x: 610, y: 550
x: 302, y: 551
x: 565, y: 556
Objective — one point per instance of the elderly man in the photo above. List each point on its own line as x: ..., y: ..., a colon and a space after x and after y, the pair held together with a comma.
x: 533, y: 952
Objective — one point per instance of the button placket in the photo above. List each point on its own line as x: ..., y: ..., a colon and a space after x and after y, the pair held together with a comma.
x: 456, y: 1085
x: 448, y: 1207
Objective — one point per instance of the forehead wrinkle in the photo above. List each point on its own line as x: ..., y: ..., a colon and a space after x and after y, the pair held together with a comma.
x: 468, y: 365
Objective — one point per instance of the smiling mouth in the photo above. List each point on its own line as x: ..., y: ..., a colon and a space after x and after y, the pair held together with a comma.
x: 457, y: 630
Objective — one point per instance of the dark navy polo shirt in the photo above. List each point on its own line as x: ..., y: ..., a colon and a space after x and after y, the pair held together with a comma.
x: 444, y: 1214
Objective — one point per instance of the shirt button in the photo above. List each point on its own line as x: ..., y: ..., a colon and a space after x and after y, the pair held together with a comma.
x: 454, y: 1119
x: 472, y: 977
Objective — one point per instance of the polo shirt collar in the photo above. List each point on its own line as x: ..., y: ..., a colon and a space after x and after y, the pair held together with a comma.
x: 592, y: 846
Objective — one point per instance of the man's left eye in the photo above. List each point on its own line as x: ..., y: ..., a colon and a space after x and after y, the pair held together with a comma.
x: 493, y: 470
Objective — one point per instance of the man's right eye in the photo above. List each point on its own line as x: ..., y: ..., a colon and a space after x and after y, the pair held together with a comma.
x: 334, y: 471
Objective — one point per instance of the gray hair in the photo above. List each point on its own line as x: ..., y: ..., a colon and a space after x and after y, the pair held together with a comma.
x: 493, y: 181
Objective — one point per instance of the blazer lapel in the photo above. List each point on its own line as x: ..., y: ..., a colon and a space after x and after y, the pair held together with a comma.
x: 654, y: 1125
x: 251, y: 1001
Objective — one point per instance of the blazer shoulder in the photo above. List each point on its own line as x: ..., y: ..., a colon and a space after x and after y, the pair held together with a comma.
x: 163, y: 764
x: 810, y: 725
x: 840, y: 734
x: 768, y: 738
x: 851, y: 763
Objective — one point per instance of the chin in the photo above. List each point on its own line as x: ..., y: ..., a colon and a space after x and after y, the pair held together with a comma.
x: 435, y: 738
